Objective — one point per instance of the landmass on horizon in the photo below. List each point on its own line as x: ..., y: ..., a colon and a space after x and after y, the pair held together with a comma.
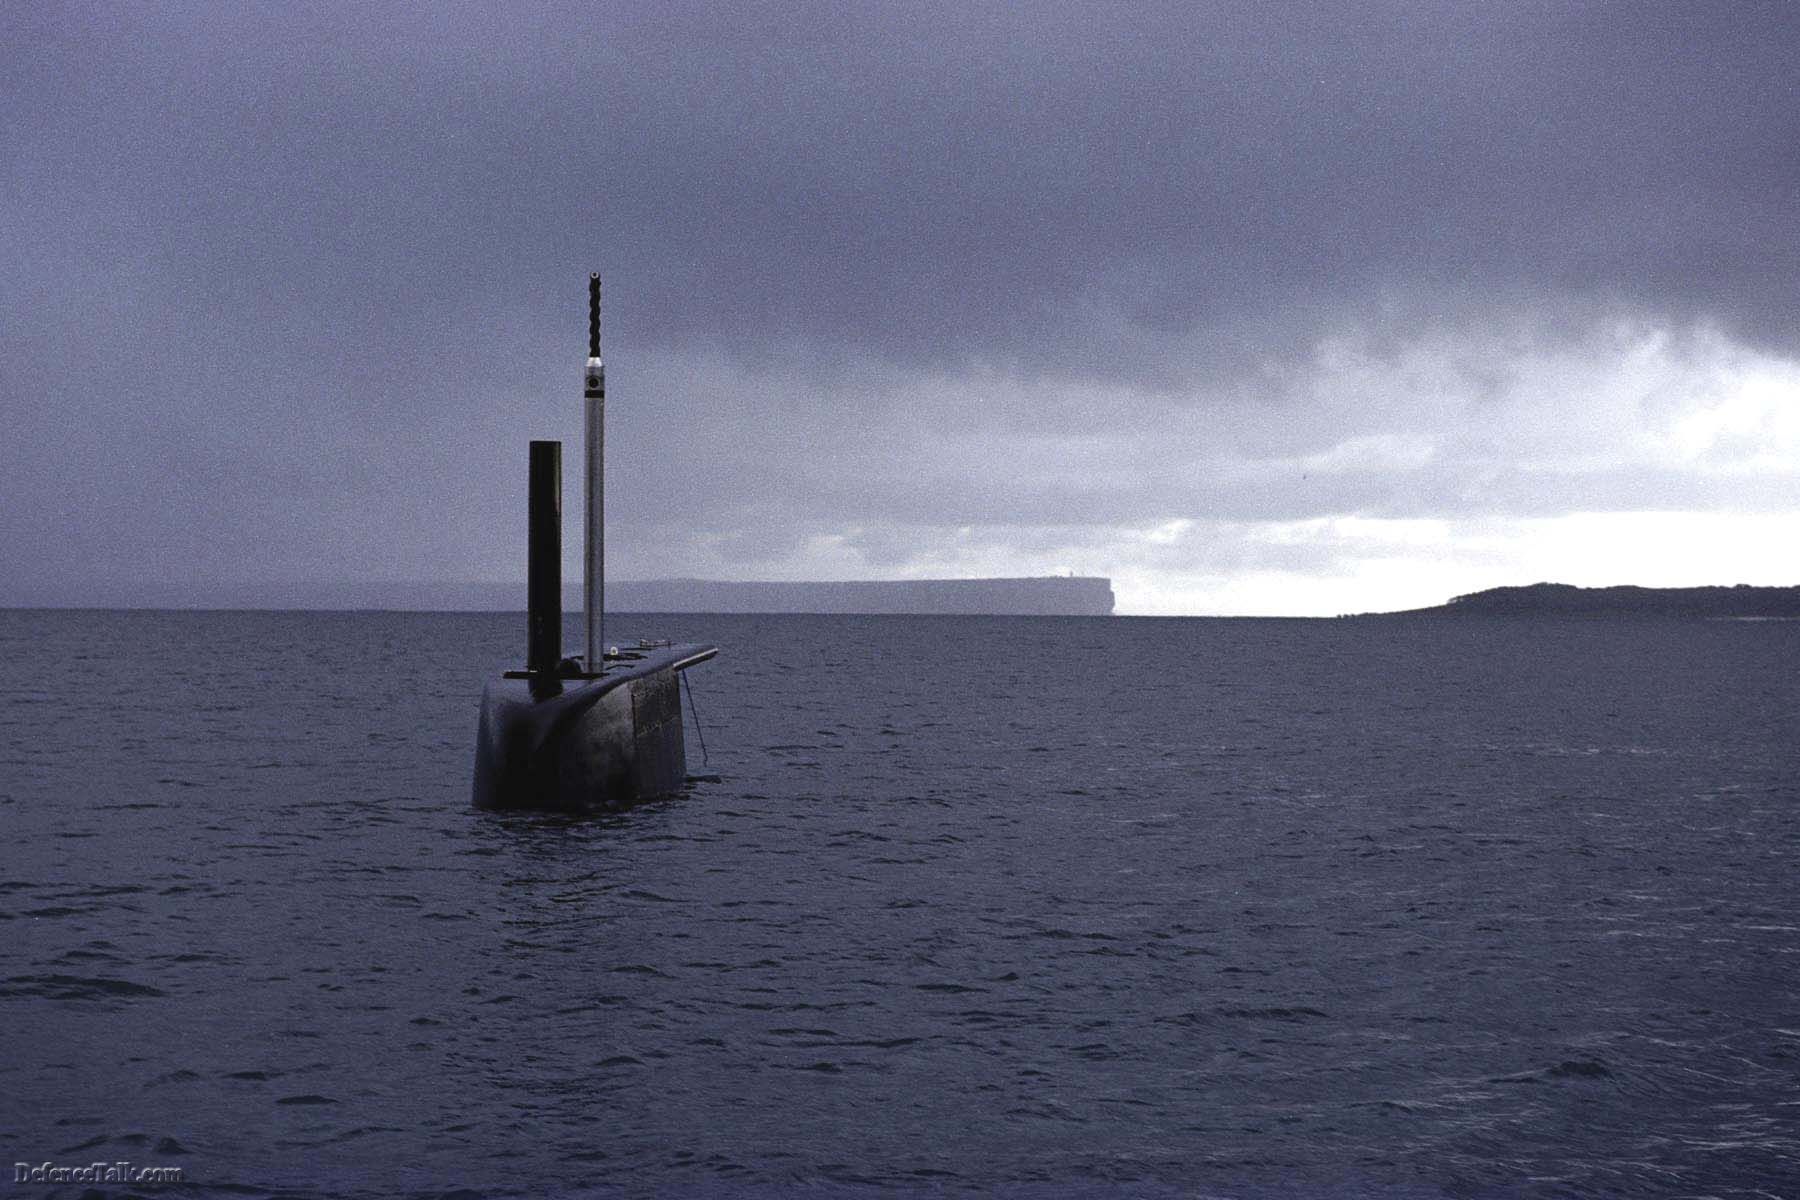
x: 1741, y: 601
x: 1034, y: 596
x: 1050, y: 595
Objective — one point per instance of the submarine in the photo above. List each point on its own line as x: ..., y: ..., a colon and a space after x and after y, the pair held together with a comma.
x: 590, y: 733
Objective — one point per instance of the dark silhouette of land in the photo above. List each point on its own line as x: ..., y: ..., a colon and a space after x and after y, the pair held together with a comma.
x: 1742, y: 602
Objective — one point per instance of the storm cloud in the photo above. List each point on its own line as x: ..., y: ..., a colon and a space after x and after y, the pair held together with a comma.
x: 1255, y: 308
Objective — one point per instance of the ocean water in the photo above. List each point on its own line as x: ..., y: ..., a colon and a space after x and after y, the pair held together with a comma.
x: 1060, y: 907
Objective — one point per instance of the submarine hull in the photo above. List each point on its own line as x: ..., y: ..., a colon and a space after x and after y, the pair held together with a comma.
x: 588, y: 743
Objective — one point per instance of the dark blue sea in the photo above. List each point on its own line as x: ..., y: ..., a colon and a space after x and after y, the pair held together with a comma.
x: 1023, y: 907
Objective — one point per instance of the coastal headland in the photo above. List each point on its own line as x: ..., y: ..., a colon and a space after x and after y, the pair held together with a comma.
x: 1050, y: 595
x: 1740, y: 602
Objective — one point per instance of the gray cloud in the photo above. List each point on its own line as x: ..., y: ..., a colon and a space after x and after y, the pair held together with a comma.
x: 288, y: 285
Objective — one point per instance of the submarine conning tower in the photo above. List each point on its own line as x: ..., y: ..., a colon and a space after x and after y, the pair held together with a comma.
x: 598, y: 732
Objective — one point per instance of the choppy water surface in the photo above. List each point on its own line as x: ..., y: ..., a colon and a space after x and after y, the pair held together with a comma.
x: 1061, y: 906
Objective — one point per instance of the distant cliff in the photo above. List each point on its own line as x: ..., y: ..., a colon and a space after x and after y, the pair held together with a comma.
x: 1089, y: 596
x: 1562, y: 599
x: 1073, y: 596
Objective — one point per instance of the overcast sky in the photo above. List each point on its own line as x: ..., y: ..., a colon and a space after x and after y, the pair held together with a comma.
x: 1256, y: 308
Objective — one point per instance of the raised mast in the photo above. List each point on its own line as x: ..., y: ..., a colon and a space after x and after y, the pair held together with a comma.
x: 594, y: 566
